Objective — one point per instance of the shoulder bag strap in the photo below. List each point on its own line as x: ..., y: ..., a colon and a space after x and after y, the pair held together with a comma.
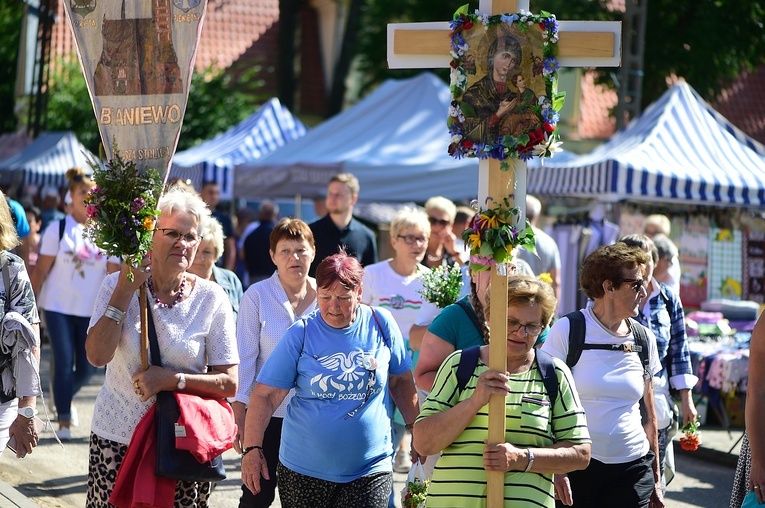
x: 547, y: 370
x: 466, y: 367
x: 465, y: 306
x: 155, y: 359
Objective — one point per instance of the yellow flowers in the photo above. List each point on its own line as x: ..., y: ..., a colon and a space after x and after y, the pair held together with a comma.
x: 545, y: 277
x: 148, y: 223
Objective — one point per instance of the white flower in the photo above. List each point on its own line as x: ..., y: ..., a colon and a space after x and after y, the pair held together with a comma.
x: 456, y: 138
x: 454, y: 111
x: 548, y: 148
x: 541, y: 101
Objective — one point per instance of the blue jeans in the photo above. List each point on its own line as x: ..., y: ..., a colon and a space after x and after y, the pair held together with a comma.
x: 71, y: 370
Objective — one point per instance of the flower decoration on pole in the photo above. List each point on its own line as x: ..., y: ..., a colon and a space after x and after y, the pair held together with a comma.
x: 441, y: 285
x: 512, y: 111
x: 122, y: 209
x: 494, y: 233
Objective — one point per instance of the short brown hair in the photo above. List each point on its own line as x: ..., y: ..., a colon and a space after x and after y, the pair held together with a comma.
x: 643, y: 243
x: 608, y: 263
x: 77, y: 177
x: 348, y: 179
x: 340, y: 268
x: 524, y: 291
x: 290, y: 228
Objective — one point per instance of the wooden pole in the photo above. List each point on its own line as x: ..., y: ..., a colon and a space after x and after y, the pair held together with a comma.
x: 144, y: 327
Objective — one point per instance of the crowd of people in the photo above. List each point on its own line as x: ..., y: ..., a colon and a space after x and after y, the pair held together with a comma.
x: 339, y: 371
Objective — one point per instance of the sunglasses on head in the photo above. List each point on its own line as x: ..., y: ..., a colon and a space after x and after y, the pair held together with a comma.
x: 433, y: 221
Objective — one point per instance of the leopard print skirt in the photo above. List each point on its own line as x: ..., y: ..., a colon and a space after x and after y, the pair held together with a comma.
x: 741, y: 478
x: 105, y: 460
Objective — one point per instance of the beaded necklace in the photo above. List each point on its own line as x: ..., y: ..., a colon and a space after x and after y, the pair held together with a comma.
x: 161, y: 304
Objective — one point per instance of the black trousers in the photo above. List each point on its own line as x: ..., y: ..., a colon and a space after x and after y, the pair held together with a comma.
x: 271, y: 440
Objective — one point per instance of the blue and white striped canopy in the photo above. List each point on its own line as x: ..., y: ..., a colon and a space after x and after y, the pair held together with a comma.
x: 680, y: 150
x: 46, y: 160
x: 267, y: 129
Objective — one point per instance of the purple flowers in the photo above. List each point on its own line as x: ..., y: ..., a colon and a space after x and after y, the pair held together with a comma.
x: 137, y: 205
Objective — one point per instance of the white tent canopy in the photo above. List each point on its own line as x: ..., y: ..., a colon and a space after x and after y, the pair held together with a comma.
x: 395, y: 141
x: 46, y: 160
x: 680, y: 150
x: 269, y: 128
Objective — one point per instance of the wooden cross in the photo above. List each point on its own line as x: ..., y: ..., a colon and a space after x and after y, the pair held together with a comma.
x: 427, y: 45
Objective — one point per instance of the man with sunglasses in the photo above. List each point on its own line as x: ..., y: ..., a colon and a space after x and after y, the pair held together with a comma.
x: 339, y: 228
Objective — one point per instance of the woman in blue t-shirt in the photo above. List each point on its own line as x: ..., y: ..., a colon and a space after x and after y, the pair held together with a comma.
x: 341, y: 360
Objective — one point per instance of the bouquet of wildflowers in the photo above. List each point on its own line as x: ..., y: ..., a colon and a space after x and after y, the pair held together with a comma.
x: 493, y: 235
x: 122, y: 209
x: 441, y: 286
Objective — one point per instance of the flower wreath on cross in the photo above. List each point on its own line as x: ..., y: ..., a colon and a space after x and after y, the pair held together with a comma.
x: 529, y: 113
x: 493, y: 235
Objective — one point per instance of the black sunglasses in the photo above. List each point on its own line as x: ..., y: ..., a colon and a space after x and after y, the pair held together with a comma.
x: 433, y: 221
x: 635, y: 284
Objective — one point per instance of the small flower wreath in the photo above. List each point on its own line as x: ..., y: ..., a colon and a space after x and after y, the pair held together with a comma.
x: 122, y: 209
x: 541, y: 142
x: 493, y: 235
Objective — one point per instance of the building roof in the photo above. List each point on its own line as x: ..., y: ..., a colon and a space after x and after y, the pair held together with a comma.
x: 743, y: 103
x: 230, y: 28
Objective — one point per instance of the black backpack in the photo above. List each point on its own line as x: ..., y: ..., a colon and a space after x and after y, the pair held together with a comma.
x: 469, y: 359
x: 576, y: 343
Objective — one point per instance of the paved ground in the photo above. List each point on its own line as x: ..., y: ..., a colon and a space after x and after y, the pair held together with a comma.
x: 57, y: 478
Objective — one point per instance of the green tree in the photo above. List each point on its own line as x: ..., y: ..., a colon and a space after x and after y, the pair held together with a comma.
x: 217, y: 101
x: 11, y: 14
x: 707, y: 42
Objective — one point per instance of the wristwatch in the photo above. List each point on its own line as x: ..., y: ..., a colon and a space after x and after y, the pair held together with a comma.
x: 181, y: 381
x: 27, y: 412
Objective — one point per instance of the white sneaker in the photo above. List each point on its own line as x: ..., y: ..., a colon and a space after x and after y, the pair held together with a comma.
x: 401, y: 462
x: 73, y: 420
x: 64, y: 434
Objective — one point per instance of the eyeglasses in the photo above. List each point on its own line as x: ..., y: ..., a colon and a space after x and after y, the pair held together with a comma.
x: 635, y: 284
x: 411, y: 239
x: 441, y: 222
x: 530, y: 328
x: 190, y: 239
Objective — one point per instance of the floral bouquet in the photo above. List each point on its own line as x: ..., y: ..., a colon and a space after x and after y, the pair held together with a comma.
x: 691, y: 438
x: 441, y: 285
x: 493, y: 235
x: 416, y: 493
x: 122, y: 209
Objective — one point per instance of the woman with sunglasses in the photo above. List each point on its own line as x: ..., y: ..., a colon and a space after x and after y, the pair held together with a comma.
x: 542, y: 437
x: 69, y: 271
x: 195, y: 331
x: 613, y: 385
x: 443, y: 245
x: 336, y: 436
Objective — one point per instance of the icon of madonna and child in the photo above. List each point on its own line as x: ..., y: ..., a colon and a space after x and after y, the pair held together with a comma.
x: 504, y: 101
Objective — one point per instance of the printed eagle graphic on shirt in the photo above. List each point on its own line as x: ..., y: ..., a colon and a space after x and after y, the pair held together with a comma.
x: 347, y: 372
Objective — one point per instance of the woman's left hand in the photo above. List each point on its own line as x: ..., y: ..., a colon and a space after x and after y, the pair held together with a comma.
x: 26, y: 435
x: 148, y: 383
x: 504, y: 457
x: 657, y: 497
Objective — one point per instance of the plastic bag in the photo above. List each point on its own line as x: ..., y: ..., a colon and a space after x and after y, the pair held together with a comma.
x: 414, y: 494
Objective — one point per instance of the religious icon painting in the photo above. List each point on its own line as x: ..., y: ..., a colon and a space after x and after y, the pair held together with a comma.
x: 83, y: 7
x: 186, y: 5
x: 503, y: 84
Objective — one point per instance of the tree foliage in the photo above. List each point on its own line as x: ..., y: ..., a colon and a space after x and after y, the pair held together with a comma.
x: 217, y: 101
x: 706, y: 42
x: 11, y: 14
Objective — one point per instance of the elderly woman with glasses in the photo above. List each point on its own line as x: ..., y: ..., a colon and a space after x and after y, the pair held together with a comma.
x: 545, y: 434
x: 209, y: 252
x: 614, y: 384
x: 197, y: 341
x: 341, y: 361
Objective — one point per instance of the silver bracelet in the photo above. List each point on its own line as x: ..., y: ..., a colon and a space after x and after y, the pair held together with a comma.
x: 114, y: 313
x: 531, y: 460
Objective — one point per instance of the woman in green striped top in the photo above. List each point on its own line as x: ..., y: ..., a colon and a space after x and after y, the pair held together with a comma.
x: 541, y: 438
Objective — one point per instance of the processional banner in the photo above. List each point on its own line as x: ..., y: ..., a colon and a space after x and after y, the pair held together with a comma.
x: 137, y: 58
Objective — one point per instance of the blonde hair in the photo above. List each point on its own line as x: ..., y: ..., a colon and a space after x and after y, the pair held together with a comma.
x: 410, y: 218
x: 350, y: 180
x: 442, y: 204
x: 524, y: 291
x: 660, y: 221
x: 9, y: 238
x: 78, y: 177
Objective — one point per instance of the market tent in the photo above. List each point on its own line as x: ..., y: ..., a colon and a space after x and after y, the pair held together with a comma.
x: 45, y: 161
x: 12, y: 143
x: 394, y: 140
x: 680, y: 150
x: 264, y: 131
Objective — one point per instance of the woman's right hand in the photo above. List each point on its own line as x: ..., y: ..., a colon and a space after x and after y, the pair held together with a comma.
x: 253, y: 467
x: 489, y: 383
x: 240, y: 415
x: 563, y: 489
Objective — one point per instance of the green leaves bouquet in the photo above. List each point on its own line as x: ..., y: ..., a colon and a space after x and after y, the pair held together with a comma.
x: 441, y: 285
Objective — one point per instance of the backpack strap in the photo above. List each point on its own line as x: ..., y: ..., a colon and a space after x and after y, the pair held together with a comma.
x: 386, y: 340
x: 465, y: 306
x: 641, y: 343
x: 547, y: 370
x: 576, y: 331
x: 61, y: 228
x: 466, y: 367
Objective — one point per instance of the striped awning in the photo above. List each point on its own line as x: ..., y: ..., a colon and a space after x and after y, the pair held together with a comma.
x: 680, y: 150
x: 46, y: 160
x: 266, y: 130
